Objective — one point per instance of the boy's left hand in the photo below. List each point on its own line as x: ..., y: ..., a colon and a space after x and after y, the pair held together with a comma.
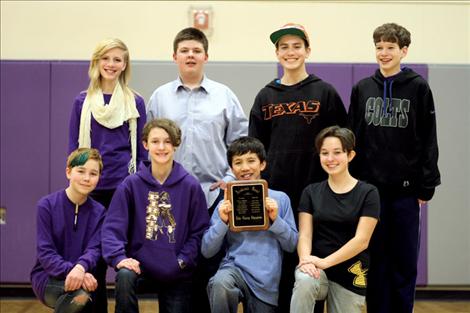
x: 272, y: 208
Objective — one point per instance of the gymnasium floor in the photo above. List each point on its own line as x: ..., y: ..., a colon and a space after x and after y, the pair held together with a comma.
x: 150, y: 306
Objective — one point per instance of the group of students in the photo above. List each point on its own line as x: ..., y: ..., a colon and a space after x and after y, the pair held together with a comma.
x: 147, y: 197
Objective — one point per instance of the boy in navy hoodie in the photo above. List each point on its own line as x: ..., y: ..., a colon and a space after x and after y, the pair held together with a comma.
x: 251, y: 269
x: 393, y: 117
x: 153, y: 228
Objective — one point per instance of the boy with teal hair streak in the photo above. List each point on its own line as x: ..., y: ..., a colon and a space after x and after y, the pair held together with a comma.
x: 69, y: 236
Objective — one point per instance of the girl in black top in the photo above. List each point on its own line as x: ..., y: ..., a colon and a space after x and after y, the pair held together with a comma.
x: 336, y: 220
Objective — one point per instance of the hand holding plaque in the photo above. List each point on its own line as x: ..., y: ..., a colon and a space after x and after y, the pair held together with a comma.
x: 248, y: 198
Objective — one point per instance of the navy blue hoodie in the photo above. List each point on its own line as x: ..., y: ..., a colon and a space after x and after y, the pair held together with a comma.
x: 156, y: 224
x: 394, y: 122
x: 286, y: 120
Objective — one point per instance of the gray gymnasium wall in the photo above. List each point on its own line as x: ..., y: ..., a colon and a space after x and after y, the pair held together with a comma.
x: 449, y: 211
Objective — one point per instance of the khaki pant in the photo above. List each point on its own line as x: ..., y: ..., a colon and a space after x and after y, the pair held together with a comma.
x: 308, y: 289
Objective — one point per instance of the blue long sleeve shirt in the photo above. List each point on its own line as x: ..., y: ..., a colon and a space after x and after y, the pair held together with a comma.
x: 211, y: 118
x: 257, y: 254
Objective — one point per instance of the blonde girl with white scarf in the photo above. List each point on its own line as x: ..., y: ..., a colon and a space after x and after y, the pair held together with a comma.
x: 109, y: 117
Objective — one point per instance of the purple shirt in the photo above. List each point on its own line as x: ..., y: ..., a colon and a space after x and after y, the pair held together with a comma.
x: 59, y: 246
x: 113, y: 144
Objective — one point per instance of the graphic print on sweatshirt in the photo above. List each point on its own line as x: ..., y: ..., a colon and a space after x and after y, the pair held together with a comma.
x: 391, y: 114
x: 308, y: 109
x: 159, y: 219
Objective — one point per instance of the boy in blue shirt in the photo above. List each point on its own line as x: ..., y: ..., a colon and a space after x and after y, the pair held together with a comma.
x: 251, y: 269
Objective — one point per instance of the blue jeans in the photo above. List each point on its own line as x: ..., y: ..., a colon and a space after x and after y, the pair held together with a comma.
x: 65, y: 302
x: 174, y: 297
x: 308, y: 290
x: 227, y: 288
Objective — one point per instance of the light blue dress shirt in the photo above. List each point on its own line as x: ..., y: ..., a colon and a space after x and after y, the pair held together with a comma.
x: 210, y: 118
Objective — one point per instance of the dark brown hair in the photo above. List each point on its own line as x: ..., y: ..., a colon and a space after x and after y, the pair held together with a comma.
x: 191, y: 33
x: 394, y: 33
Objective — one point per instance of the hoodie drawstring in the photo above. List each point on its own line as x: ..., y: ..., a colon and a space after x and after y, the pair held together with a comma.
x: 390, y: 84
x: 384, y: 105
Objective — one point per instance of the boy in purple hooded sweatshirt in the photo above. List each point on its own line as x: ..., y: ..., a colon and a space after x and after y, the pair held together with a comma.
x: 68, y: 237
x: 153, y: 229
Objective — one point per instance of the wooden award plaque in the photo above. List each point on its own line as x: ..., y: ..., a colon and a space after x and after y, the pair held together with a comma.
x: 248, y: 205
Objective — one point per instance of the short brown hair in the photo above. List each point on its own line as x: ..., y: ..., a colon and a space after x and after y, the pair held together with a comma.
x: 80, y: 156
x: 167, y: 125
x: 394, y: 33
x: 191, y: 33
x: 346, y: 136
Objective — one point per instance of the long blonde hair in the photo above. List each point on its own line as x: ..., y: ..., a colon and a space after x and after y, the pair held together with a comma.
x: 94, y: 71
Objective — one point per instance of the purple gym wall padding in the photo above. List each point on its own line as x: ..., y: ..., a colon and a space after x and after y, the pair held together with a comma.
x: 25, y: 122
x: 36, y: 100
x: 68, y: 79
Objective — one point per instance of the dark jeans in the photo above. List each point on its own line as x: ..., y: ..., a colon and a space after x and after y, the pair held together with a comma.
x: 65, y: 302
x: 100, y: 296
x: 394, y: 251
x: 205, y: 269
x: 172, y: 297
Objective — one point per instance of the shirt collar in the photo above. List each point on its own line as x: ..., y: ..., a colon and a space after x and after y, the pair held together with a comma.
x: 205, y: 85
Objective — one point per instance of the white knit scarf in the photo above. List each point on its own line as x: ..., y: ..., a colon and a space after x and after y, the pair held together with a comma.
x: 120, y: 109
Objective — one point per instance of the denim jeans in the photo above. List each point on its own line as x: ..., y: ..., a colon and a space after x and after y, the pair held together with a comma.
x: 65, y: 302
x: 227, y: 288
x: 172, y: 297
x: 307, y: 290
